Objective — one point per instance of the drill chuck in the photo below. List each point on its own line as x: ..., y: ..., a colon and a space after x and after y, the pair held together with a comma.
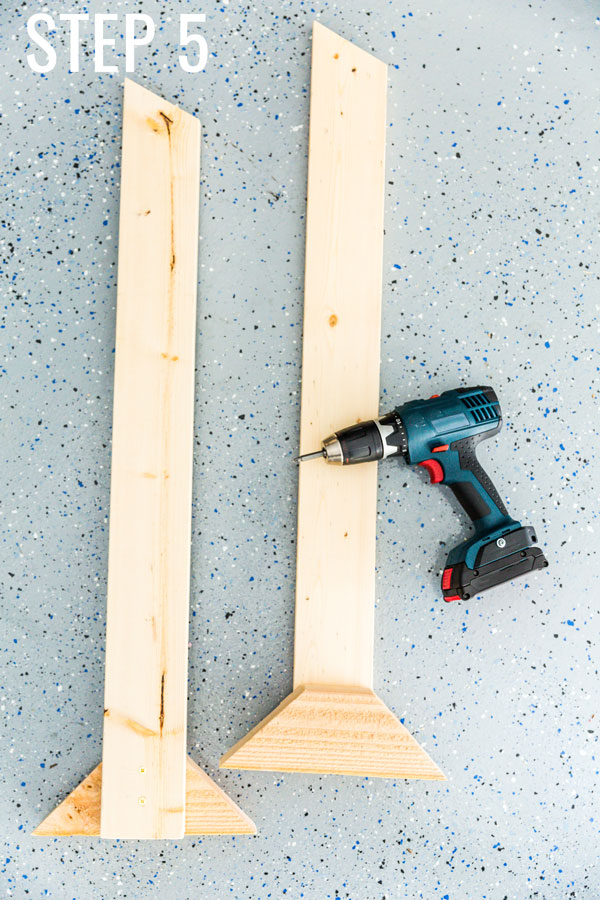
x: 356, y: 444
x: 364, y: 442
x: 332, y: 450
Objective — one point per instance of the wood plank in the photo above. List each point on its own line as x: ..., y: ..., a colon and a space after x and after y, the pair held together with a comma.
x: 144, y: 752
x: 208, y: 810
x: 145, y: 788
x: 333, y: 721
x: 335, y: 574
x: 343, y: 731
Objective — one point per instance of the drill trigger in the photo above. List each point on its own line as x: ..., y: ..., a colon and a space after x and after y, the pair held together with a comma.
x: 435, y: 470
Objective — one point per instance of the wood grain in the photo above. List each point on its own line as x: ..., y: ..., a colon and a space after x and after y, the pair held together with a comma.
x: 144, y: 748
x: 335, y: 573
x: 208, y: 810
x: 79, y: 812
x: 344, y: 731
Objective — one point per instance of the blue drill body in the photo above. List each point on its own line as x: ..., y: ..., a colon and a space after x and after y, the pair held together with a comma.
x: 441, y: 434
x: 458, y: 421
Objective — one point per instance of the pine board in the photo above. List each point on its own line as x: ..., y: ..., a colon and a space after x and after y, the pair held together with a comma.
x: 335, y: 574
x: 144, y: 750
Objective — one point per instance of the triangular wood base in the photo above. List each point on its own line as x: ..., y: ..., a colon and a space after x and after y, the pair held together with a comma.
x: 208, y: 810
x: 337, y: 730
x: 79, y: 813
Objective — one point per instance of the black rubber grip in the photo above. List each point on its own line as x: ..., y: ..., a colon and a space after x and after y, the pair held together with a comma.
x: 470, y: 499
x: 465, y: 492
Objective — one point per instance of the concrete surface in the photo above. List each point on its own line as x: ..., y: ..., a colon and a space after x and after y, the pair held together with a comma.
x: 490, y: 275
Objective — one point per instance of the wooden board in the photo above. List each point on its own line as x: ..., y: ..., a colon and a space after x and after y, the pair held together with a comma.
x: 343, y: 731
x: 333, y: 722
x: 145, y: 788
x: 335, y: 574
x: 144, y: 752
x: 208, y: 810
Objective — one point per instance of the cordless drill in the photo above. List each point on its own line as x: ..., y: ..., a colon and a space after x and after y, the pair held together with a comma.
x: 441, y: 435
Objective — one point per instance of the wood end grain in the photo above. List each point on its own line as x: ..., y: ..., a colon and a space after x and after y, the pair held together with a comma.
x: 329, y: 729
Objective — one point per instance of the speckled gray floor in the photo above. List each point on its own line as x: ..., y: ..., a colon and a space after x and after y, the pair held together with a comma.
x: 490, y: 275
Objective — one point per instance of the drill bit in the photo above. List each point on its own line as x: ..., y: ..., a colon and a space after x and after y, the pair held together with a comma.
x: 314, y: 455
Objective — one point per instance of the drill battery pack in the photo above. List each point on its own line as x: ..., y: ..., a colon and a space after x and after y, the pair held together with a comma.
x: 498, y: 561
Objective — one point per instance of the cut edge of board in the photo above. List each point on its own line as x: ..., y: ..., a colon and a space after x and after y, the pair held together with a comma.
x: 131, y: 85
x: 333, y: 730
x: 322, y: 31
x: 79, y: 812
x: 208, y: 809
